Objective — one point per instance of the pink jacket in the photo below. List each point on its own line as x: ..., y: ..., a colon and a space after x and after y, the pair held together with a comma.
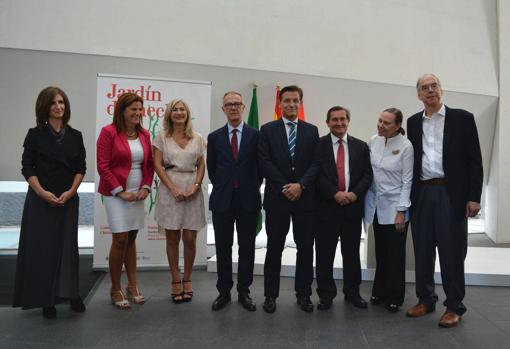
x: 114, y: 160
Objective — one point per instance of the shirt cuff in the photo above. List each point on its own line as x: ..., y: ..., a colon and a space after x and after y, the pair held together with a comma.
x: 147, y: 187
x: 401, y: 208
x: 116, y: 190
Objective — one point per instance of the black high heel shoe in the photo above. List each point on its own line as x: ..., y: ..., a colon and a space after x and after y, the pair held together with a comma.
x: 187, y: 296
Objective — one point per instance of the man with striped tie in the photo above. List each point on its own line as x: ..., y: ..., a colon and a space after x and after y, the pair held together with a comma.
x: 344, y: 178
x: 286, y: 148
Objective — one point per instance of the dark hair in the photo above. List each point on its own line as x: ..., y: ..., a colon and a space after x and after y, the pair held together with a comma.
x: 338, y: 108
x: 398, y: 118
x: 124, y: 101
x: 43, y: 104
x: 292, y: 88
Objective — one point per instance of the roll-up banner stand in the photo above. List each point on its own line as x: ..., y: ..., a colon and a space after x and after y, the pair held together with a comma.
x: 156, y: 93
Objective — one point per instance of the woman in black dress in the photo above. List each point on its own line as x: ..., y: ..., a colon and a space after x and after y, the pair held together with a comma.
x: 53, y: 163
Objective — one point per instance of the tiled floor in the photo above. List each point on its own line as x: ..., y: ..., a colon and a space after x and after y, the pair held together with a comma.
x: 162, y: 324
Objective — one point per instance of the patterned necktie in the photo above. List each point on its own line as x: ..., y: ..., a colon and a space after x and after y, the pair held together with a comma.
x: 235, y: 153
x: 340, y: 166
x: 292, y: 139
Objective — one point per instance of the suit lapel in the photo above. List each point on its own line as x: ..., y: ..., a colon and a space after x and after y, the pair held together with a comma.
x: 300, y: 139
x: 282, y: 136
x: 330, y: 156
x: 245, y: 140
x: 225, y: 142
x: 125, y: 143
x: 353, y: 152
x: 419, y: 135
x: 446, y: 133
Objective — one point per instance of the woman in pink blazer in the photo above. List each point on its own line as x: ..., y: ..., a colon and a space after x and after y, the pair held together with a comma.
x: 126, y: 170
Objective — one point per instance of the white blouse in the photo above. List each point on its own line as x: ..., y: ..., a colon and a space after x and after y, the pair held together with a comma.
x: 392, y: 163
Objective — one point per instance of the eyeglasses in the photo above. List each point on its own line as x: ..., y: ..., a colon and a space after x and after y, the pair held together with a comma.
x: 433, y: 87
x: 233, y: 105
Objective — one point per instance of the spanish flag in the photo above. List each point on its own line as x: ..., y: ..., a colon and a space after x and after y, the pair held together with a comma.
x: 278, y: 111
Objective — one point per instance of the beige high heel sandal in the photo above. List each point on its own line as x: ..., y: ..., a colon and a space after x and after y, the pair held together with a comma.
x: 137, y: 297
x: 122, y: 304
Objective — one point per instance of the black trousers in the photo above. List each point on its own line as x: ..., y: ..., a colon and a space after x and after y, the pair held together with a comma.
x: 277, y: 227
x: 326, y: 241
x: 390, y: 256
x: 434, y: 224
x: 246, y: 226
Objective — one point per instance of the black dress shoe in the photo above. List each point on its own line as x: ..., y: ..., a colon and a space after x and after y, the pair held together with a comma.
x: 357, y: 301
x: 305, y: 304
x: 77, y: 305
x: 49, y: 312
x: 221, y: 301
x: 324, y: 304
x: 269, y: 305
x: 376, y: 300
x: 247, y: 303
x: 392, y: 308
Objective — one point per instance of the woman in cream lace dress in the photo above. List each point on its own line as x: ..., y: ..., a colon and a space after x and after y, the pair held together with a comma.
x: 179, y: 163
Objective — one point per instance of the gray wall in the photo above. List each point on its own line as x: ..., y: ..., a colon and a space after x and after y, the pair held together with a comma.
x: 25, y: 72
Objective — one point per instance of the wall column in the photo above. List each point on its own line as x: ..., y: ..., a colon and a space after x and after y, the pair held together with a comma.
x: 497, y: 217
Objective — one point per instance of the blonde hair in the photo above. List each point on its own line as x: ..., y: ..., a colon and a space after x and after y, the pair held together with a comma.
x: 167, y: 120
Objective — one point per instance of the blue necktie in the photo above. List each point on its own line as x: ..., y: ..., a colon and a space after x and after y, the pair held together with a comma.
x: 292, y: 139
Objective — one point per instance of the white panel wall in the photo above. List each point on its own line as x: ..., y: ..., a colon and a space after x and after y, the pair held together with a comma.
x: 358, y: 43
x: 384, y: 41
x: 498, y: 188
x: 25, y: 72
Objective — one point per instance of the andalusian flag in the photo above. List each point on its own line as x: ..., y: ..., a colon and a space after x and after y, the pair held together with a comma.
x: 278, y: 111
x: 253, y: 121
x: 253, y: 116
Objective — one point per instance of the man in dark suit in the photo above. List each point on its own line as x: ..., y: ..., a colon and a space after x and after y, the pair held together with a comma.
x: 286, y: 157
x: 344, y: 178
x: 232, y: 165
x: 447, y: 185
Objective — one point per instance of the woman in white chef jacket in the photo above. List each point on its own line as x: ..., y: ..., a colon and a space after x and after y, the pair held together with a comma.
x: 387, y: 207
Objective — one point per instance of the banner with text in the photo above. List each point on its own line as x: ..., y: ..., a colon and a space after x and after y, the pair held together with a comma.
x: 156, y: 93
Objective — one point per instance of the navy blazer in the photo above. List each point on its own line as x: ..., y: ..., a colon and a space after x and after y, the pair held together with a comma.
x: 360, y: 178
x: 462, y: 157
x: 279, y: 169
x: 222, y: 168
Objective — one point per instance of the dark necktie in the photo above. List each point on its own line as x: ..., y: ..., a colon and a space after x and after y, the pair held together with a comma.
x: 340, y: 166
x: 235, y: 153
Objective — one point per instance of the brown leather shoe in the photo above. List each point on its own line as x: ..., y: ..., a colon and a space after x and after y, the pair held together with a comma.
x: 449, y: 319
x: 418, y: 310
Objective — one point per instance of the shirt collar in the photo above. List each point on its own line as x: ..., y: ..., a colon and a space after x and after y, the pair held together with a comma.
x: 238, y: 128
x: 334, y: 139
x: 394, y: 138
x: 440, y: 112
x: 285, y: 121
